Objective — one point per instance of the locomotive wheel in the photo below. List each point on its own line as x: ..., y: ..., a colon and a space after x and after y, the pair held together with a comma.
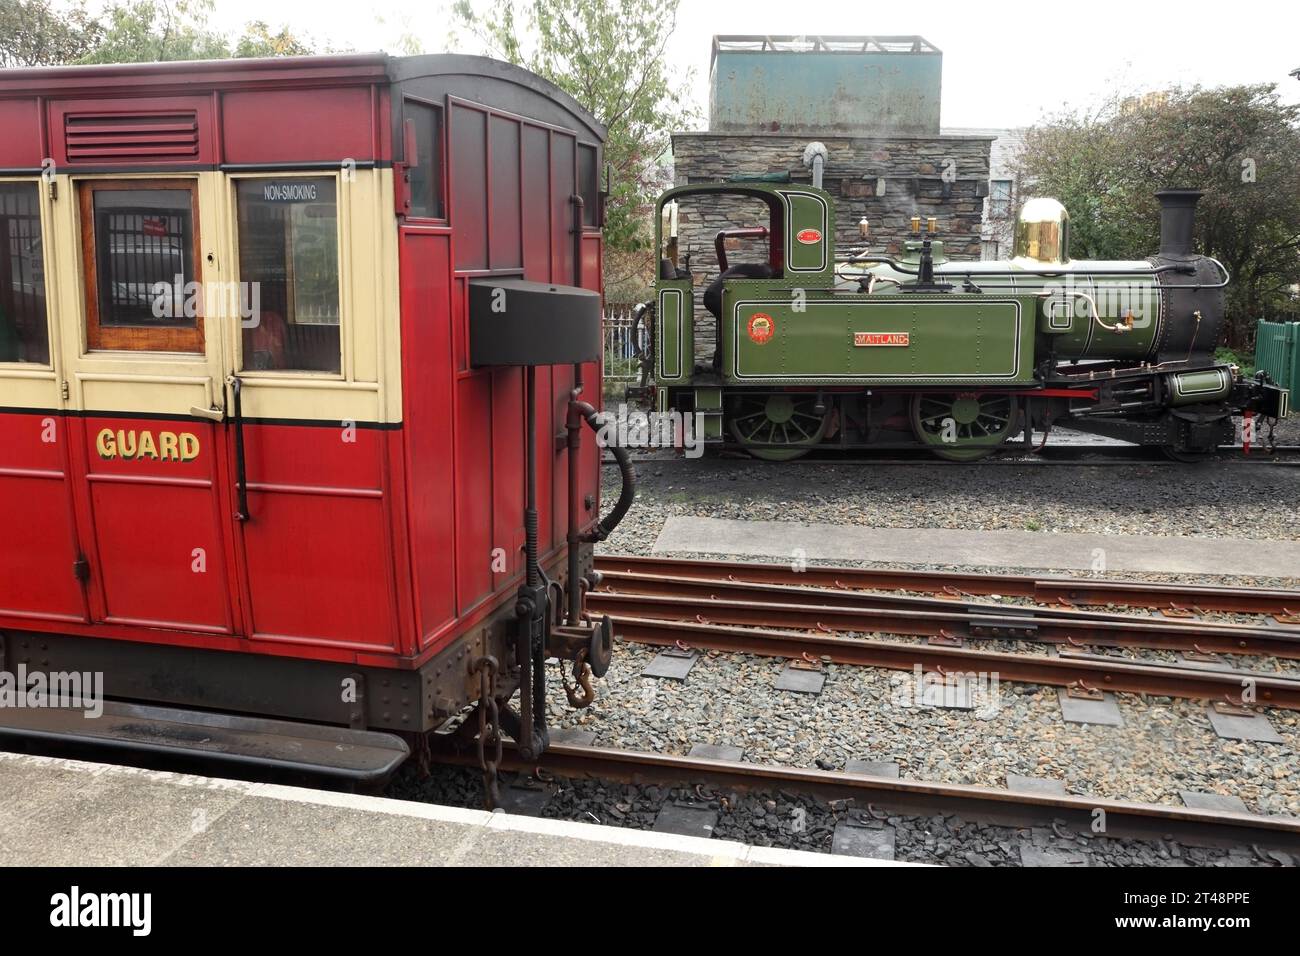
x: 963, y: 426
x: 761, y: 424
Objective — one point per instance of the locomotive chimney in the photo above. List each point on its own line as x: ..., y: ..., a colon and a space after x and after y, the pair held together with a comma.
x: 1177, y: 217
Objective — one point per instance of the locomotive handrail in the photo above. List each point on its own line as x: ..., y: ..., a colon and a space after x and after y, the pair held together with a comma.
x: 954, y: 267
x: 1227, y: 276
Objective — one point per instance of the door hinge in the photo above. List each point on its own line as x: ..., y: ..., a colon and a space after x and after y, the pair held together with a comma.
x: 81, y: 569
x: 65, y: 391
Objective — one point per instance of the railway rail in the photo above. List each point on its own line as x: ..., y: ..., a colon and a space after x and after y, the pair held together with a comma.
x: 747, y: 608
x: 880, y: 796
x: 1179, y: 599
x: 714, y: 602
x: 1086, y: 674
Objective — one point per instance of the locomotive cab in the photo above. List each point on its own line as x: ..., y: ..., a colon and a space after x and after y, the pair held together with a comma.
x: 764, y: 259
x: 784, y: 234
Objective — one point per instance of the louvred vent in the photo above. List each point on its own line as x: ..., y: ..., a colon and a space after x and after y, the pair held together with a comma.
x: 150, y: 137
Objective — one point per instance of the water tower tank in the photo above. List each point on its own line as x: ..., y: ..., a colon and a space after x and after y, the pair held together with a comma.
x: 853, y: 86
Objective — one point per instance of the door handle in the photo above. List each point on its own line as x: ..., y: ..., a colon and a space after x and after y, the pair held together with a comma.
x: 211, y: 414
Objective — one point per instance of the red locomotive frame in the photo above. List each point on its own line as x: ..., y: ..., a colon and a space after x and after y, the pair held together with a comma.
x: 240, y: 539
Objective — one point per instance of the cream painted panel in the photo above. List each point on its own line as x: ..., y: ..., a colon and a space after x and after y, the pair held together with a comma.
x: 369, y: 387
x: 262, y: 398
x: 386, y: 295
x: 20, y: 388
x: 164, y: 394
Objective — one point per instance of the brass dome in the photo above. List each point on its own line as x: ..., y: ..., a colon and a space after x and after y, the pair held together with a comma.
x: 1042, y: 233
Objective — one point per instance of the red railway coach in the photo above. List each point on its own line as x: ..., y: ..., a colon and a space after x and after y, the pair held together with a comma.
x: 272, y: 337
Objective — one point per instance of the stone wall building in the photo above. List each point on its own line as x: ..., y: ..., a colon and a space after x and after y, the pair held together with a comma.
x: 997, y: 231
x: 873, y: 103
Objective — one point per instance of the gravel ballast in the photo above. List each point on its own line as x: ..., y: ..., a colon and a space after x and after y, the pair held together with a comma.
x: 1211, y: 500
x: 801, y: 822
x: 1165, y: 746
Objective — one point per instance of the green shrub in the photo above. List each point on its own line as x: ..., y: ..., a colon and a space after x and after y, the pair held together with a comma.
x: 1245, y: 360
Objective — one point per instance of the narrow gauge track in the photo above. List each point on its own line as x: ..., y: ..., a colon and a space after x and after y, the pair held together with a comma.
x: 756, y: 605
x: 1088, y: 673
x: 1181, y: 599
x: 777, y: 620
x: 733, y: 607
x: 879, y: 795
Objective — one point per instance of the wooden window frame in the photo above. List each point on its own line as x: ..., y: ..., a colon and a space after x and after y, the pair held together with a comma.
x: 127, y: 338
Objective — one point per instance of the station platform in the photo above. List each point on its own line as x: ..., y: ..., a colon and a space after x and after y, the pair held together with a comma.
x: 60, y: 812
x: 1063, y: 551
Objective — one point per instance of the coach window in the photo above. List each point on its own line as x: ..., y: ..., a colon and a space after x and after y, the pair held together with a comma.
x: 426, y: 172
x: 589, y: 186
x: 138, y: 239
x: 289, y: 267
x: 24, y: 336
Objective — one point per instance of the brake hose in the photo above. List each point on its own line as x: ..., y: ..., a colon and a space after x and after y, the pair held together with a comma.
x: 627, y: 495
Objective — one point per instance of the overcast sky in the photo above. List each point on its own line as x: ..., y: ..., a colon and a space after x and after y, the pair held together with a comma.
x: 1004, y: 64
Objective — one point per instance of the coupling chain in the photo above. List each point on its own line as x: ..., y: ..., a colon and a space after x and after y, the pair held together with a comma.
x: 489, y: 729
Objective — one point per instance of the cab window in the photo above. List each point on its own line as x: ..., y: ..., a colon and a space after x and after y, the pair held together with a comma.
x: 289, y: 265
x: 24, y: 334
x: 142, y: 287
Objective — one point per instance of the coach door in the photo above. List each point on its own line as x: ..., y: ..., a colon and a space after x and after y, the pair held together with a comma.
x: 38, y: 538
x: 313, y: 436
x: 139, y: 260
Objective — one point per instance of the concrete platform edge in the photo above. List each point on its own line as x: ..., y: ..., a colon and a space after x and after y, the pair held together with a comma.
x: 711, y: 852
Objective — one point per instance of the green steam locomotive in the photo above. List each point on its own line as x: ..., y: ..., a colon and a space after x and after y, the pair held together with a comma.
x: 863, y: 350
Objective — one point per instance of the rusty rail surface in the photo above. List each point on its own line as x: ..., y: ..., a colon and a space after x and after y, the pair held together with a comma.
x: 1183, y: 598
x: 1085, y: 673
x: 1126, y: 819
x: 764, y: 605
